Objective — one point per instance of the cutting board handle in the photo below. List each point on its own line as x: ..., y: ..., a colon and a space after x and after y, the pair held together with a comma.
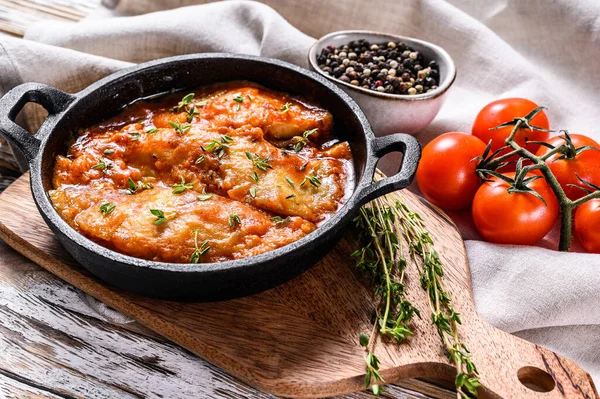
x: 511, y: 367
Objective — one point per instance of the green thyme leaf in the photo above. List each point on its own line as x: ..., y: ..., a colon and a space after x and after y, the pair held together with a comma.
x: 285, y: 108
x: 253, y: 191
x: 199, y: 251
x: 314, y: 180
x: 262, y: 164
x: 181, y: 187
x: 107, y: 208
x: 302, y: 141
x: 109, y: 151
x: 102, y: 165
x: 132, y: 186
x: 234, y: 221
x: 364, y: 340
x: 281, y: 222
x: 185, y: 101
x: 204, y: 197
x: 180, y: 128
x: 160, y: 216
x: 151, y: 130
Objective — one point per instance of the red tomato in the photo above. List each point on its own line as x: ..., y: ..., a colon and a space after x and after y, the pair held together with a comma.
x: 446, y: 175
x: 514, y: 218
x: 587, y: 220
x: 505, y: 110
x: 586, y: 164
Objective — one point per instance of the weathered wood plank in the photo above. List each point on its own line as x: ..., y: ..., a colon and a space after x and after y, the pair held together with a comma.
x: 17, y: 15
x: 54, y: 345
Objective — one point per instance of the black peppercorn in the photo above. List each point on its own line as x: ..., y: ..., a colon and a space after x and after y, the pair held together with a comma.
x: 390, y: 67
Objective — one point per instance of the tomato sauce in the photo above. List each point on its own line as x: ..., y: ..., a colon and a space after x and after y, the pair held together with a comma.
x: 225, y: 172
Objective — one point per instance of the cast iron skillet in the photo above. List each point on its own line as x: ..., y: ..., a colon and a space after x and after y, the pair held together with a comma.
x: 209, y: 281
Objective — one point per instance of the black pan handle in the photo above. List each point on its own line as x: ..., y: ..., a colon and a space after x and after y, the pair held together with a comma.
x: 411, y: 154
x: 53, y: 100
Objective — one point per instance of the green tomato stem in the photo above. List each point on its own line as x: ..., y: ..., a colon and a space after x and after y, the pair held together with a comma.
x: 539, y: 163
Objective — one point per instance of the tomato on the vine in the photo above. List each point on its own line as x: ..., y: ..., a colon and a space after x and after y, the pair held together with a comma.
x: 587, y: 220
x: 577, y: 160
x: 504, y: 216
x: 506, y: 110
x: 447, y: 173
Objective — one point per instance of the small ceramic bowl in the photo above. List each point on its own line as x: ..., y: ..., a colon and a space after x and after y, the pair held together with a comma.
x: 391, y: 113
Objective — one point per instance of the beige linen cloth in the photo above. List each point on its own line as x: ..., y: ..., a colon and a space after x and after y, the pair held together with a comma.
x: 545, y: 50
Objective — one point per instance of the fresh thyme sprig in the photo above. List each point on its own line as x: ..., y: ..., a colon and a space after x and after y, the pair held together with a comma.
x: 383, y: 225
x: 281, y: 222
x: 314, y: 180
x: 135, y: 135
x: 302, y: 141
x: 234, y: 221
x: 443, y: 315
x: 102, y: 165
x: 107, y: 208
x: 160, y: 216
x: 239, y: 100
x: 181, y: 187
x: 179, y: 127
x: 187, y: 99
x: 285, y: 108
x: 262, y: 164
x: 199, y: 251
x: 218, y: 147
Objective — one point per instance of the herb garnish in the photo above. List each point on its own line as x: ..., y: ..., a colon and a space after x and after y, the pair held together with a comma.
x: 135, y: 136
x: 285, y: 108
x: 132, y: 186
x: 102, y: 165
x: 107, y: 208
x: 181, y: 187
x: 109, y: 151
x: 290, y: 196
x: 383, y: 225
x: 290, y: 181
x: 200, y: 250
x: 218, y: 147
x: 204, y: 197
x: 239, y: 100
x: 151, y: 130
x: 253, y: 191
x: 180, y: 128
x: 191, y: 113
x: 281, y: 222
x: 185, y: 101
x: 314, y: 180
x: 234, y: 221
x: 160, y: 216
x: 302, y: 141
x: 254, y: 177
x: 199, y: 160
x: 262, y: 164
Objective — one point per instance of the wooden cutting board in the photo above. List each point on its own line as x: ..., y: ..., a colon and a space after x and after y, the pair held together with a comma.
x: 301, y: 339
